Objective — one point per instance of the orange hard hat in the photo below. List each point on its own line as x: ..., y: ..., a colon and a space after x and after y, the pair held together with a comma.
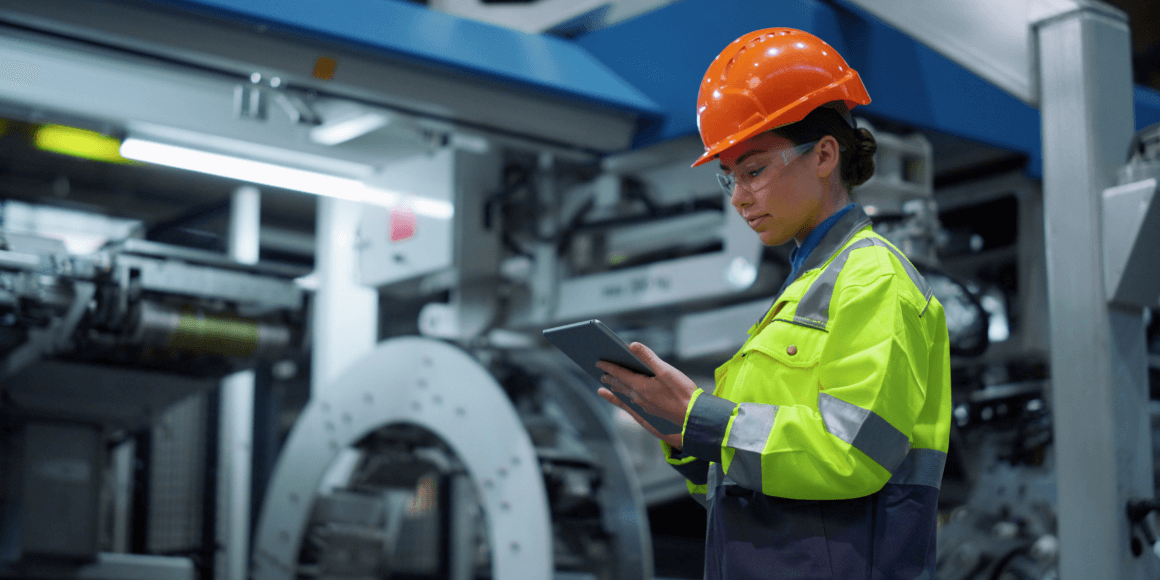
x: 769, y: 78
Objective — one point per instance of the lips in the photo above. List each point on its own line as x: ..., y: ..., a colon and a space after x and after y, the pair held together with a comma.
x: 755, y: 220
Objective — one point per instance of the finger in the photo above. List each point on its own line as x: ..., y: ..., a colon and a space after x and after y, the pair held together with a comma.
x: 611, y: 398
x: 626, y: 390
x: 646, y: 355
x: 620, y: 373
x: 676, y: 440
x: 616, y: 384
x: 676, y: 382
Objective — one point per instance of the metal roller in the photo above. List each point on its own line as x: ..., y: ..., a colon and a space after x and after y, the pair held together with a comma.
x: 199, y: 332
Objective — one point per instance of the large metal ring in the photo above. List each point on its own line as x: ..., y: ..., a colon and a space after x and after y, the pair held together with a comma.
x: 440, y: 388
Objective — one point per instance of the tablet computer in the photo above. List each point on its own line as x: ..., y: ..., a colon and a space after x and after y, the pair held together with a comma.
x: 590, y: 341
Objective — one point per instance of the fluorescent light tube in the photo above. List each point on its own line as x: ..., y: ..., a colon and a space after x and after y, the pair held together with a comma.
x: 342, y: 131
x: 279, y: 176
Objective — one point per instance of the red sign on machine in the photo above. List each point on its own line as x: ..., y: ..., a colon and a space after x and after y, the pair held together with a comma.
x: 402, y: 222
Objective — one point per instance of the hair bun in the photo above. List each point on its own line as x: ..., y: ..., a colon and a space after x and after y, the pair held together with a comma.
x: 860, y: 166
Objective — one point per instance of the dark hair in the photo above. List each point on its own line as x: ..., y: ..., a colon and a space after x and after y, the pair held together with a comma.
x: 856, y: 158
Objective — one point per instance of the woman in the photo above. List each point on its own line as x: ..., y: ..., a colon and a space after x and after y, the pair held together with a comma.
x: 819, y: 451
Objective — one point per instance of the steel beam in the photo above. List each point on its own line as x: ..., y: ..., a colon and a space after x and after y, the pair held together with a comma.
x: 237, y: 405
x: 345, y: 319
x: 1098, y: 355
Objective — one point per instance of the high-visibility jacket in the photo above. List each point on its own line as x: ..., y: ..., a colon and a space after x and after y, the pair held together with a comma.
x: 820, y: 451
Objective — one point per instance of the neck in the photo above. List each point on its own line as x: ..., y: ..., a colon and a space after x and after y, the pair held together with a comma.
x: 828, y: 206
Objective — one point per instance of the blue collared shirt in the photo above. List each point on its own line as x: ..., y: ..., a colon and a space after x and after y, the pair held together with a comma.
x: 798, y: 255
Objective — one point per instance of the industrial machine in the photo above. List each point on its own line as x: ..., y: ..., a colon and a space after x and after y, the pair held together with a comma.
x: 443, y: 438
x: 97, y: 346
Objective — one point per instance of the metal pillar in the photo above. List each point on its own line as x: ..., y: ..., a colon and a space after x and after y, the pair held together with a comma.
x: 237, y: 412
x: 345, y: 324
x: 1098, y: 358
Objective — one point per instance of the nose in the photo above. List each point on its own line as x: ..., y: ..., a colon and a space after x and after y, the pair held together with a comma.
x: 740, y: 197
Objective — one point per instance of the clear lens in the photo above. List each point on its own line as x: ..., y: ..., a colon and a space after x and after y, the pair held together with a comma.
x: 726, y: 182
x: 754, y: 173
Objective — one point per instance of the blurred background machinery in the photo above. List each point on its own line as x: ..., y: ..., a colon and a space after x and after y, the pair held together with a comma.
x: 209, y: 372
x: 97, y: 348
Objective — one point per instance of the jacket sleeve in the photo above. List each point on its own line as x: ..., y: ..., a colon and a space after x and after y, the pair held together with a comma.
x: 870, y: 391
x: 696, y: 471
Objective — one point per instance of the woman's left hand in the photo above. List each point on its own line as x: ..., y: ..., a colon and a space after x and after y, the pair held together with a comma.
x: 665, y: 395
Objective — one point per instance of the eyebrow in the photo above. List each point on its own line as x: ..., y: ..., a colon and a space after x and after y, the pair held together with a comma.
x: 743, y: 157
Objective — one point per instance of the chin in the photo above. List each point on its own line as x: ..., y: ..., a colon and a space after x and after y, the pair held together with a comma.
x: 771, y: 239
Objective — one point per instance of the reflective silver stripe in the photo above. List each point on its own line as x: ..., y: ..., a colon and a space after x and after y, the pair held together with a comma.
x: 717, y: 478
x: 839, y: 235
x: 865, y: 430
x: 921, y: 467
x: 813, y: 309
x: 751, y: 428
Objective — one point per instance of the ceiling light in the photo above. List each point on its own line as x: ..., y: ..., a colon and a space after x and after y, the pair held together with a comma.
x: 335, y: 132
x: 280, y: 176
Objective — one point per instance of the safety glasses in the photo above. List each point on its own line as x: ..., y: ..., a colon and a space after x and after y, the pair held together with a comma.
x: 758, y: 170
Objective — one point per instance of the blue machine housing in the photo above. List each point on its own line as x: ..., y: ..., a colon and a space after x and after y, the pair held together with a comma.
x: 652, y: 65
x: 666, y: 52
x: 425, y: 37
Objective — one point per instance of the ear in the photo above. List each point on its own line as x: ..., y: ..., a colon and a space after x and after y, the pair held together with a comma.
x: 828, y: 159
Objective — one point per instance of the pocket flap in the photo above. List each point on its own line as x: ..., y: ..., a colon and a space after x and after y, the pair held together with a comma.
x: 791, y: 344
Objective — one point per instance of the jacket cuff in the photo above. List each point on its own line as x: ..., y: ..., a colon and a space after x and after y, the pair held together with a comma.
x: 674, y: 456
x: 706, y: 425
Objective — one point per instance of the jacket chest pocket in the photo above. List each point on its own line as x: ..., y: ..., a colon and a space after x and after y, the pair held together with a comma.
x: 790, y: 344
x: 779, y: 366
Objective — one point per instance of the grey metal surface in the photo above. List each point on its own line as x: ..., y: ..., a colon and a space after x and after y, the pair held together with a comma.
x: 176, y: 478
x: 234, y: 474
x: 1007, y: 58
x: 236, y: 424
x: 140, y: 247
x: 108, y: 566
x: 1131, y: 228
x: 1098, y: 356
x: 60, y: 484
x: 119, y: 396
x: 730, y: 271
x: 411, y: 238
x: 442, y: 389
x: 719, y: 331
x: 174, y: 277
x: 344, y: 323
x: 399, y: 243
x: 462, y: 532
x: 234, y: 52
x: 137, y: 567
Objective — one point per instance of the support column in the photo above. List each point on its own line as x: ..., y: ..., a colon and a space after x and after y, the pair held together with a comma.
x: 346, y: 313
x: 1098, y: 359
x: 235, y: 459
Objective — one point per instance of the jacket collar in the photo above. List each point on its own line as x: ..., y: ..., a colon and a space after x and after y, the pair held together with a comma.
x: 835, y: 239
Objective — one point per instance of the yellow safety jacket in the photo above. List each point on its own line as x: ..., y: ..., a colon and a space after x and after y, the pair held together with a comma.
x: 820, y: 451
